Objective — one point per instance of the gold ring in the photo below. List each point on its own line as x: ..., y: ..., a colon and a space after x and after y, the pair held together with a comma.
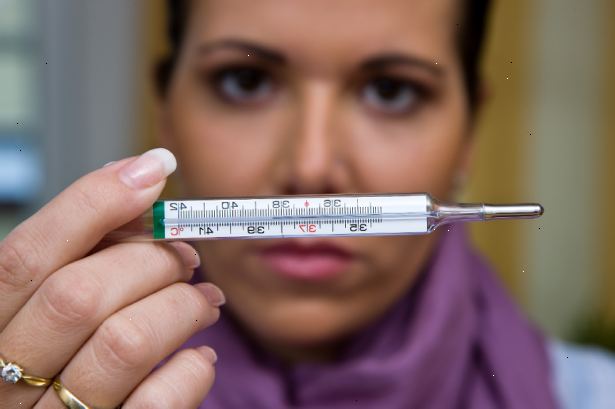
x: 13, y: 373
x: 66, y: 396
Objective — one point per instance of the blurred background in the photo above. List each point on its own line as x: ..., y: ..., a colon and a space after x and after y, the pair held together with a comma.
x: 75, y: 93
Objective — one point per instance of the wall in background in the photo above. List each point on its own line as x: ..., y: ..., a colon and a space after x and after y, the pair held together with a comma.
x: 20, y: 109
x: 91, y: 97
x: 499, y: 174
x: 79, y: 89
x: 547, y: 136
x: 604, y: 205
x: 570, y: 51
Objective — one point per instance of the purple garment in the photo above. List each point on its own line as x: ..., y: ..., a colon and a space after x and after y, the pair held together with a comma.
x: 454, y: 341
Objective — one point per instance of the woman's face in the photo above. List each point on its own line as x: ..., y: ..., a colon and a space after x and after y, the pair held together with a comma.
x: 276, y: 97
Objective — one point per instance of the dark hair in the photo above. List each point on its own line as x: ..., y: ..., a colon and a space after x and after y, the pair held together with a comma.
x: 471, y: 30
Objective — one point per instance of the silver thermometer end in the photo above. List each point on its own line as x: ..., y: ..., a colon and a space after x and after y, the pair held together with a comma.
x: 513, y: 211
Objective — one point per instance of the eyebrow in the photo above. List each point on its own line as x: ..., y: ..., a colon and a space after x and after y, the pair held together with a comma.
x: 371, y: 64
x: 245, y: 47
x: 386, y: 60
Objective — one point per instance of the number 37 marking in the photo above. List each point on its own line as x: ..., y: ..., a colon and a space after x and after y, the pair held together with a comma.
x: 308, y: 228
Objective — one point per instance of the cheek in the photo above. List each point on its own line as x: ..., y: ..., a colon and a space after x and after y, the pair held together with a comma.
x: 225, y: 154
x: 418, y: 155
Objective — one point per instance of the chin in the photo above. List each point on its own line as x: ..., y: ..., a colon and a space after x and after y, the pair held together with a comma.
x: 302, y: 324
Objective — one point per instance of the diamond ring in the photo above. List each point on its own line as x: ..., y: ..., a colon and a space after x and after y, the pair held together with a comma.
x: 13, y: 373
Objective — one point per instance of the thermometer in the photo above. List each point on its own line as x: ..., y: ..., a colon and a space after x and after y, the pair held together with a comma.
x: 308, y: 216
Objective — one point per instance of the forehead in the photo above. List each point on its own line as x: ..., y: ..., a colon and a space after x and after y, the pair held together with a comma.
x: 425, y: 27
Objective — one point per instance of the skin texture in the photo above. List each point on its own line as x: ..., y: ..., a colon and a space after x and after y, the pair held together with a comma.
x: 315, y: 128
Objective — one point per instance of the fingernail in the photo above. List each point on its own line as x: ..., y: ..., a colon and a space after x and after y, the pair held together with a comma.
x: 213, y: 294
x: 209, y: 354
x: 109, y: 163
x: 148, y: 169
x: 189, y: 255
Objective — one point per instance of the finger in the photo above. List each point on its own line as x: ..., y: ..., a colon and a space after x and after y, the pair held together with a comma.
x: 125, y: 349
x: 72, y: 223
x: 72, y: 303
x: 183, y: 382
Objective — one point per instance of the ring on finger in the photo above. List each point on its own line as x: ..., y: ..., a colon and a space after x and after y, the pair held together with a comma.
x: 67, y: 397
x: 13, y: 373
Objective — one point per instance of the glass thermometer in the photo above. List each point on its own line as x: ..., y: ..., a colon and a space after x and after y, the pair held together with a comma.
x: 308, y: 216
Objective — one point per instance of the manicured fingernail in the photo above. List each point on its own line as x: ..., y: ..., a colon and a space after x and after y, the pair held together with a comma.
x: 214, y: 295
x: 209, y: 354
x: 148, y: 169
x: 188, y: 254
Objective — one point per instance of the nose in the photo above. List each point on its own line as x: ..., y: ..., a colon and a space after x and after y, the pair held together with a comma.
x: 313, y: 153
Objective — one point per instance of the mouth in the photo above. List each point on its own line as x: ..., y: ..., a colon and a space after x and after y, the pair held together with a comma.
x: 307, y: 260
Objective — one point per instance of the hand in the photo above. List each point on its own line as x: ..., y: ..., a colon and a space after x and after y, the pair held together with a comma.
x: 102, y: 318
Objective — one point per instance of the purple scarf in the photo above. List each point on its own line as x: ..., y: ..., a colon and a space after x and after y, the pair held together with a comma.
x: 454, y: 341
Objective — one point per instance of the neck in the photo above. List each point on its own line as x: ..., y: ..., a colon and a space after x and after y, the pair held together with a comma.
x: 289, y: 354
x: 293, y: 355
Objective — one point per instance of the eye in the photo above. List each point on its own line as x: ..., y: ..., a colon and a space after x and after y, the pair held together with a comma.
x: 391, y: 95
x: 244, y: 85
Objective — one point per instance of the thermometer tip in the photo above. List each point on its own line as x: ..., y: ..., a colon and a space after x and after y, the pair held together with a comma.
x: 523, y: 211
x: 541, y: 210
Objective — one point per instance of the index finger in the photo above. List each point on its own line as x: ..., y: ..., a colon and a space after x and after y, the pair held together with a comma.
x: 70, y: 225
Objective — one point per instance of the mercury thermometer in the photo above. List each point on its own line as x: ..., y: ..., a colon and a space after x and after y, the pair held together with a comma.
x: 309, y: 216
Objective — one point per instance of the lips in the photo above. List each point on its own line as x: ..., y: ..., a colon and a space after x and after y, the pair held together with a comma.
x: 307, y: 260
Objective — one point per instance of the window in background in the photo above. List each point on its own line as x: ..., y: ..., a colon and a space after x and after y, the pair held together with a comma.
x: 20, y: 112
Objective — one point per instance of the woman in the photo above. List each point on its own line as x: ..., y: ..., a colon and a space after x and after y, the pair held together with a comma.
x: 305, y: 97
